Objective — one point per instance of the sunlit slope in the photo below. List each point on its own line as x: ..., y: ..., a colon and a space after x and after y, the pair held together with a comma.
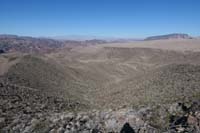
x: 118, y: 76
x: 46, y: 76
x: 167, y: 84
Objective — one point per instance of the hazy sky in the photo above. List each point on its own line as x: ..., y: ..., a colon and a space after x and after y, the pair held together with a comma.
x: 120, y: 18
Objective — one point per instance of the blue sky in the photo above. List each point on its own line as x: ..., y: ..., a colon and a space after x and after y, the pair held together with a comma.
x: 119, y: 18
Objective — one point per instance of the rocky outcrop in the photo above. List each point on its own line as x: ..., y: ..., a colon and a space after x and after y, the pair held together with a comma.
x: 94, y: 121
x: 185, y: 119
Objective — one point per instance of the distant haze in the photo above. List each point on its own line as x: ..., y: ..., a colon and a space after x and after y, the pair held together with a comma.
x: 87, y: 37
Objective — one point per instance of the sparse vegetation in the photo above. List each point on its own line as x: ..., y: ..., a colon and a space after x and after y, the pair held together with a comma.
x: 102, y: 77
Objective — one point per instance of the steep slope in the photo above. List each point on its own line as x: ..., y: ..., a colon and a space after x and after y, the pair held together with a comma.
x: 45, y: 75
x: 163, y: 85
x: 7, y: 60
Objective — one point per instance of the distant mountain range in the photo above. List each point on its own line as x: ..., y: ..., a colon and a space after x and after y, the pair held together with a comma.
x: 123, y: 39
x: 14, y: 43
x: 87, y: 37
x: 170, y: 36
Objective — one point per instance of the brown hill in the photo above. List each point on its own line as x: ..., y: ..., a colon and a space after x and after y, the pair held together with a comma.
x: 47, y: 77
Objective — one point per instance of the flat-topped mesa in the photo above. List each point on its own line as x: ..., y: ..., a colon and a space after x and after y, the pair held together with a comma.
x: 169, y: 36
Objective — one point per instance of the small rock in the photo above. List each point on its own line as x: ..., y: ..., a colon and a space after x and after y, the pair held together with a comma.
x: 28, y: 129
x: 61, y: 130
x: 77, y: 125
x: 180, y: 129
x: 88, y: 125
x: 34, y: 122
x: 111, y: 124
x: 139, y: 122
x: 67, y: 117
x: 85, y: 131
x: 17, y: 128
x: 1, y: 85
x: 192, y: 120
x: 53, y: 131
x: 78, y: 117
x: 67, y: 131
x: 28, y: 110
x: 176, y: 108
x: 84, y: 119
x: 197, y: 114
x: 2, y: 122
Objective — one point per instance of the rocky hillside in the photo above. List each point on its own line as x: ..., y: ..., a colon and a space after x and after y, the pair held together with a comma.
x: 163, y: 85
x: 170, y: 36
x: 97, y: 88
x: 20, y: 104
x: 46, y: 76
x: 27, y: 110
